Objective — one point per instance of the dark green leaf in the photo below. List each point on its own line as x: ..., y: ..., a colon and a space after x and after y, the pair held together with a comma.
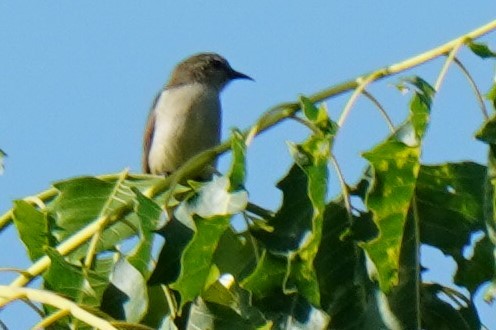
x: 226, y: 292
x: 32, y: 226
x: 347, y: 294
x: 481, y: 49
x: 480, y: 268
x: 450, y: 201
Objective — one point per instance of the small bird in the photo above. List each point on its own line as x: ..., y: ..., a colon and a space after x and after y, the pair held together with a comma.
x: 185, y: 118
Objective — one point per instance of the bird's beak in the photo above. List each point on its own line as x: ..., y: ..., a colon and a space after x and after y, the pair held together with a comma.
x: 239, y: 75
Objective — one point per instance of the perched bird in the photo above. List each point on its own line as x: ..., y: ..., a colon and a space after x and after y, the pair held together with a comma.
x: 185, y: 118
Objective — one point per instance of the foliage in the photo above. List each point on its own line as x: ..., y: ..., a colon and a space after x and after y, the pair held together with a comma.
x: 312, y: 264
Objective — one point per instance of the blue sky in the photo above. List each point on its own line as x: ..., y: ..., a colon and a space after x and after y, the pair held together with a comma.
x: 77, y: 80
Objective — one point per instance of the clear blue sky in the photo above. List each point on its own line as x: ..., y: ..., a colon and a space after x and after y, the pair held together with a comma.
x: 77, y: 79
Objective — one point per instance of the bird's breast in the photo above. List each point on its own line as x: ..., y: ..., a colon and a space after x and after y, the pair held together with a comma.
x: 187, y: 122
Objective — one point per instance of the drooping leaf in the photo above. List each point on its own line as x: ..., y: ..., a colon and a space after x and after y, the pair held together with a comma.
x: 487, y: 134
x: 149, y: 215
x: 237, y: 172
x: 347, y: 294
x: 450, y: 201
x: 456, y: 313
x: 396, y: 163
x: 480, y: 268
x: 481, y: 49
x: 2, y: 156
x: 32, y: 226
x: 208, y: 214
x: 127, y: 296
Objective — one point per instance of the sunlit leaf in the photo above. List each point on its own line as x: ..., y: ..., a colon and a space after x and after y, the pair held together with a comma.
x: 126, y: 298
x: 32, y: 226
x: 149, y: 213
x: 396, y: 163
x: 208, y: 214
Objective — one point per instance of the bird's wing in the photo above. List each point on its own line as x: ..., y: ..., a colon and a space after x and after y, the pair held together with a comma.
x: 148, y: 137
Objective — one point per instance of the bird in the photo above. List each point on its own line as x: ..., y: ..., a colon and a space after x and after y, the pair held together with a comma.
x: 185, y: 117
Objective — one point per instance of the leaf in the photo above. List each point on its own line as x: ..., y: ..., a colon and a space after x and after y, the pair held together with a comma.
x: 480, y: 268
x: 237, y: 172
x: 208, y: 214
x: 126, y: 298
x: 86, y: 199
x: 487, y: 133
x: 84, y: 287
x: 267, y: 277
x: 293, y: 312
x: 235, y: 254
x: 32, y: 226
x: 395, y: 164
x: 491, y: 95
x: 149, y: 214
x: 228, y: 293
x: 2, y: 156
x: 450, y: 201
x: 480, y: 49
x: 205, y: 315
x: 347, y: 294
x: 454, y: 312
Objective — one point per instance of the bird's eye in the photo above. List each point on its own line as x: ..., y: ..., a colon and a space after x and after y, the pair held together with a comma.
x: 217, y: 64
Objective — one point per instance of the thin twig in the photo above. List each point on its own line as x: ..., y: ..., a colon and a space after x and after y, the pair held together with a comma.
x: 446, y: 65
x: 381, y: 109
x: 476, y: 90
x: 344, y: 188
x: 362, y: 84
x: 51, y: 319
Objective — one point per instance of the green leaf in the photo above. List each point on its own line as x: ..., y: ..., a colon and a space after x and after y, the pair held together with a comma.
x: 481, y: 49
x: 235, y: 254
x: 149, y: 214
x: 63, y: 277
x: 83, y: 200
x: 450, y: 200
x: 32, y: 226
x: 396, y: 163
x: 455, y: 312
x: 127, y: 296
x: 2, y: 156
x: 208, y: 214
x: 237, y: 172
x: 226, y: 292
x: 347, y: 294
x: 478, y: 269
x: 207, y: 315
x: 491, y: 95
x: 84, y: 287
x: 268, y: 276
